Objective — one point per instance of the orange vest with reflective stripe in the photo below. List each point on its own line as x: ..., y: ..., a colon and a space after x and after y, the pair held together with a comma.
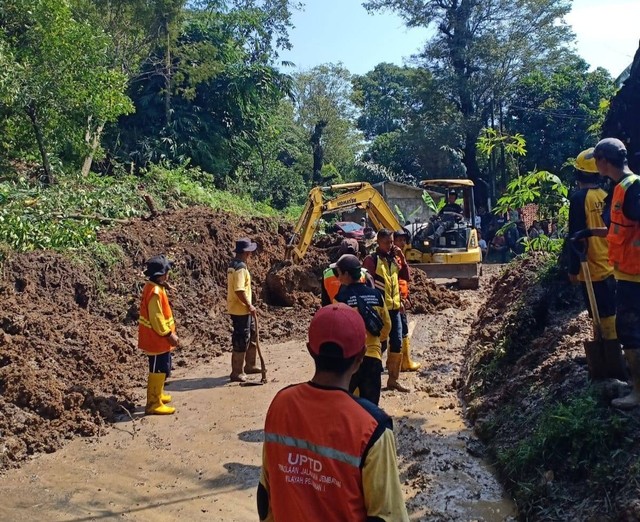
x: 148, y: 340
x: 315, y: 443
x: 624, y: 234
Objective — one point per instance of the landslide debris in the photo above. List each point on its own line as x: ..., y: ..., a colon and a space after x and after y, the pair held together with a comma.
x: 68, y: 324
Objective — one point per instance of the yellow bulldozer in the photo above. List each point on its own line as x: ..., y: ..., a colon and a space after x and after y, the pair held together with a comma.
x: 445, y: 247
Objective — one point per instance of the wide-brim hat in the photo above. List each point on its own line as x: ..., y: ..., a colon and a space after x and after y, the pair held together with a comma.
x: 245, y: 245
x: 157, y: 266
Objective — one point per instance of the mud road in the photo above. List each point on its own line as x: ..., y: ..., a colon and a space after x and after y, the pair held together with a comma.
x: 203, y: 462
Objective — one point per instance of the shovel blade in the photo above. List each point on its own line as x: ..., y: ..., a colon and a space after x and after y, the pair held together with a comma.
x: 596, y: 362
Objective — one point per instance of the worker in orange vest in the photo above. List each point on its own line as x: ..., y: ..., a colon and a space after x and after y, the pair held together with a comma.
x: 330, y: 282
x: 157, y: 334
x: 400, y: 239
x: 330, y: 456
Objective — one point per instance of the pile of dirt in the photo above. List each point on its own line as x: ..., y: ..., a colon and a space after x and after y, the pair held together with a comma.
x: 524, y: 362
x: 68, y: 326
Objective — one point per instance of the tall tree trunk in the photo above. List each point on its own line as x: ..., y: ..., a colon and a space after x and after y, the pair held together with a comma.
x: 318, y: 152
x: 167, y: 78
x: 92, y: 139
x: 37, y: 129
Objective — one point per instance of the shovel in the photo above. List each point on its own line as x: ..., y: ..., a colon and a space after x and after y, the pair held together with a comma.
x: 263, y: 367
x: 604, y: 356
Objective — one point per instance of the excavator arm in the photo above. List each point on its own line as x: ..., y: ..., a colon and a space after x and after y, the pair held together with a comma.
x: 359, y: 195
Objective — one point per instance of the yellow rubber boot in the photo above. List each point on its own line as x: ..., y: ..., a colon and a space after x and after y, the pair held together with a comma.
x: 407, y: 364
x: 394, y: 360
x: 154, y: 392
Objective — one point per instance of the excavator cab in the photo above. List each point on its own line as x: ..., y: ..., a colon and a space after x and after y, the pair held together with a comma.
x: 447, y: 245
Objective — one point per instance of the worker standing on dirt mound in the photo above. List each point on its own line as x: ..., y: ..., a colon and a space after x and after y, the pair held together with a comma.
x: 242, y: 311
x: 585, y: 211
x: 329, y: 455
x: 157, y: 334
x: 400, y: 240
x: 330, y: 283
x: 354, y: 293
x: 382, y: 264
x: 623, y: 236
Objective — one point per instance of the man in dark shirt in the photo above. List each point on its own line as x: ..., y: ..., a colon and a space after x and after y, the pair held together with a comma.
x: 451, y: 205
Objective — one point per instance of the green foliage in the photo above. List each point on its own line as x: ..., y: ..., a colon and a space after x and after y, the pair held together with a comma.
x: 59, y: 82
x: 542, y: 187
x: 542, y: 243
x: 579, y: 437
x: 491, y: 138
x: 559, y: 112
x: 70, y: 213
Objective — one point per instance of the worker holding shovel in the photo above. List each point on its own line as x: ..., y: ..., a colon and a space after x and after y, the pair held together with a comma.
x: 588, y: 263
x: 623, y: 236
x: 243, y: 314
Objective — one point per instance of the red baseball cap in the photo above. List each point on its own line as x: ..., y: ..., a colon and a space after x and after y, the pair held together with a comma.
x: 340, y: 324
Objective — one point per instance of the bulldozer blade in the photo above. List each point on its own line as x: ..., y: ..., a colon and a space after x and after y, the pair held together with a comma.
x: 596, y: 361
x: 616, y: 367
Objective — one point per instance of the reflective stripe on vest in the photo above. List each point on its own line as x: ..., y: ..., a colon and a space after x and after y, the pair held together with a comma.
x: 624, y: 233
x: 149, y: 341
x: 323, y: 451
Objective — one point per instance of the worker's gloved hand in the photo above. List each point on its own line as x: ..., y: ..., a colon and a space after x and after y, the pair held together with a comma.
x: 581, y: 234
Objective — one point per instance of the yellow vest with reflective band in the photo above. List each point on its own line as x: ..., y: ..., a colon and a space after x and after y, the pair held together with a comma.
x: 624, y: 235
x: 386, y: 280
x: 149, y: 341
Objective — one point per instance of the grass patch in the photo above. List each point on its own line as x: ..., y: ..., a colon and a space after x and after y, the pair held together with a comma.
x: 576, y: 440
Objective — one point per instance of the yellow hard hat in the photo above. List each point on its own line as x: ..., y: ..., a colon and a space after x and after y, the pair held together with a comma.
x: 586, y: 165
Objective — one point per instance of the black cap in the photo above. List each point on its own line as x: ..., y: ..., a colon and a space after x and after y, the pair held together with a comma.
x: 453, y: 192
x: 402, y: 233
x: 245, y: 245
x: 157, y: 266
x: 347, y: 263
x: 609, y: 149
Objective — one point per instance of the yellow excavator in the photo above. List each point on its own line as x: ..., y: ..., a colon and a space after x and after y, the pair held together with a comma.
x: 447, y: 245
x: 334, y: 198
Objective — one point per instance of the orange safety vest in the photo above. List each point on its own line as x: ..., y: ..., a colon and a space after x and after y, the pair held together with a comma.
x: 315, y: 441
x: 332, y: 284
x: 148, y: 340
x: 624, y: 234
x: 402, y: 283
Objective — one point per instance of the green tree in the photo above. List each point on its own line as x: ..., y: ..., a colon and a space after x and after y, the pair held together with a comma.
x: 59, y: 82
x: 324, y: 109
x: 556, y: 112
x: 480, y: 47
x: 413, y: 128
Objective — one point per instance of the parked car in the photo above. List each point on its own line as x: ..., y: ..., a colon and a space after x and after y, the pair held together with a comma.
x: 349, y: 229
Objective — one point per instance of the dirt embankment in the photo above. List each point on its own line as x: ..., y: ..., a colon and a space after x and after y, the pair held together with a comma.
x: 564, y: 453
x: 68, y: 356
